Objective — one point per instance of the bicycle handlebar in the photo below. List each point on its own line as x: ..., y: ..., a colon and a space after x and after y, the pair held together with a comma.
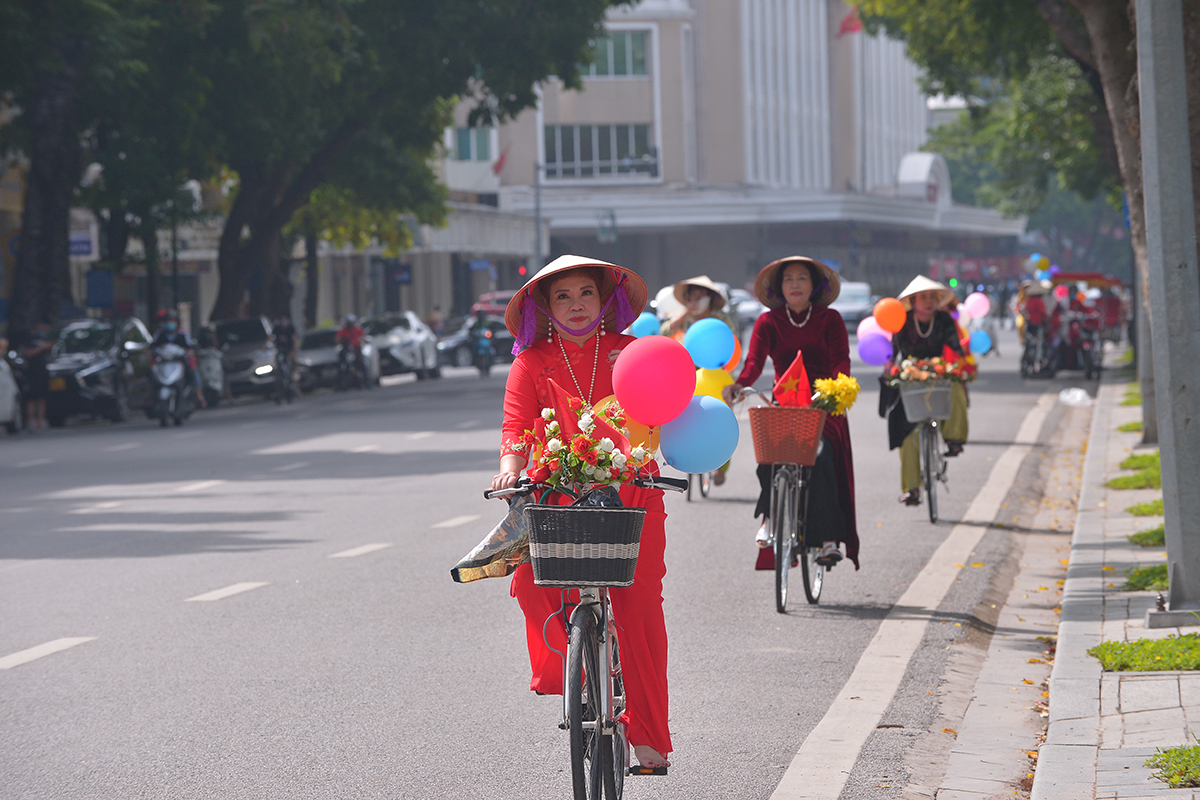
x: 526, y: 486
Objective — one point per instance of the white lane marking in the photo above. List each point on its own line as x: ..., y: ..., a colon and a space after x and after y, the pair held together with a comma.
x: 456, y: 521
x: 290, y: 467
x: 823, y: 764
x: 359, y: 551
x: 118, y: 447
x: 364, y: 448
x: 42, y: 650
x: 108, y: 505
x: 420, y: 435
x: 37, y: 462
x: 195, y: 487
x: 228, y: 591
x: 471, y: 423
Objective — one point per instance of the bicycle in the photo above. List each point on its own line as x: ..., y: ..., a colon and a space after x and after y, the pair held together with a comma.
x: 565, y: 542
x: 789, y: 439
x: 702, y: 482
x: 285, y: 379
x: 928, y: 405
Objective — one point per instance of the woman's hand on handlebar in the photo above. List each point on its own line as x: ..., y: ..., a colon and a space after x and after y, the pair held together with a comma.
x: 732, y: 393
x: 505, y: 480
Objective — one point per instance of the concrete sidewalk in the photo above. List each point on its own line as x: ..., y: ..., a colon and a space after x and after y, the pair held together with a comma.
x: 1104, y: 725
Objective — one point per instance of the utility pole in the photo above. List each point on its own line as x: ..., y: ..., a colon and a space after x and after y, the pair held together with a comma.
x: 1174, y: 292
x: 537, y: 217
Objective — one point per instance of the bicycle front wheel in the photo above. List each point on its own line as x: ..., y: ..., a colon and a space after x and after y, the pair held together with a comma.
x: 783, y: 525
x: 814, y: 573
x: 591, y: 751
x: 929, y: 459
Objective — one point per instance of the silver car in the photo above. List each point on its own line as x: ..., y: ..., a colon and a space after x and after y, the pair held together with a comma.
x: 247, y: 354
x: 317, y: 359
x: 406, y: 344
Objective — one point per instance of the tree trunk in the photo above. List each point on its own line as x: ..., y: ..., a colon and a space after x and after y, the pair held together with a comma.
x: 311, y: 276
x: 148, y: 233
x: 41, y: 280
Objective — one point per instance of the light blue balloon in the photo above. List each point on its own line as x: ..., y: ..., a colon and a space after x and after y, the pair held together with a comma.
x: 702, y: 438
x: 710, y: 343
x: 1035, y: 257
x: 645, y: 325
x: 981, y: 342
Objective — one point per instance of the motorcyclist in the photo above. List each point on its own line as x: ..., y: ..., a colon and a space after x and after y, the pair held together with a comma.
x: 285, y: 337
x: 351, y: 335
x: 169, y: 333
x: 481, y: 339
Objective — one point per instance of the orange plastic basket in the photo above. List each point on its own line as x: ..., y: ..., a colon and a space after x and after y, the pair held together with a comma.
x: 786, y: 434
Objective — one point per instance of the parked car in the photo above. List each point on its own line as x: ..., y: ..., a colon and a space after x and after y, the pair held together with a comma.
x: 745, y: 309
x: 98, y: 367
x: 455, y: 350
x: 855, y: 303
x: 317, y: 359
x: 494, y: 302
x: 248, y: 355
x: 11, y: 404
x: 405, y: 344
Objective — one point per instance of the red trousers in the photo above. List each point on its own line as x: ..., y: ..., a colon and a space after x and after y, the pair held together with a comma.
x: 638, y: 614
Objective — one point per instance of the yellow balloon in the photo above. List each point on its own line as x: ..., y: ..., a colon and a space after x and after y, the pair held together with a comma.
x: 1043, y: 263
x: 711, y: 381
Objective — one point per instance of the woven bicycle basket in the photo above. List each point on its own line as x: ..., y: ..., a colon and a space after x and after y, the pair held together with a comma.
x: 786, y: 434
x: 573, y: 546
x: 924, y: 401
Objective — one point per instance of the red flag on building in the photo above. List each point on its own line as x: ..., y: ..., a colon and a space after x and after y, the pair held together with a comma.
x: 793, y: 388
x: 850, y: 24
x: 498, y: 164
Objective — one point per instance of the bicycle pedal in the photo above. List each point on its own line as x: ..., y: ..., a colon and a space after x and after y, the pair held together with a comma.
x: 640, y: 770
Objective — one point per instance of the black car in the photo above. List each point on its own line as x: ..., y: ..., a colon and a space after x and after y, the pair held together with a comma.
x: 455, y: 350
x: 100, y: 368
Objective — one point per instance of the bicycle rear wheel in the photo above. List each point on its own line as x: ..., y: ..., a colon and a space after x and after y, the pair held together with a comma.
x: 591, y: 752
x: 929, y: 459
x: 783, y: 524
x: 705, y: 483
x: 814, y: 573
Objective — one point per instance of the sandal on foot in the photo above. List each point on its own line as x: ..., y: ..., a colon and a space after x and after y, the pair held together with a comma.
x: 912, y: 498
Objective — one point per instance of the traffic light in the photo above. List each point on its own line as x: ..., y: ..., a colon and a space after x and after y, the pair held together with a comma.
x: 521, y: 270
x: 953, y: 283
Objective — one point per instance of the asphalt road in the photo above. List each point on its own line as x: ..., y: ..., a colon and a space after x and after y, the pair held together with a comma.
x: 340, y: 660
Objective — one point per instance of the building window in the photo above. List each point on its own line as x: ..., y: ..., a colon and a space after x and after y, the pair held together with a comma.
x: 591, y: 151
x: 472, y: 144
x: 618, y: 54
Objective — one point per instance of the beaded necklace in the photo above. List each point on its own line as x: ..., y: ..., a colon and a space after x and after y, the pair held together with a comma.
x: 587, y: 399
x: 917, y: 327
x: 795, y: 324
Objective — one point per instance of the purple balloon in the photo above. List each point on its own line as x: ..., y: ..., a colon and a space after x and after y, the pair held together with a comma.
x: 1054, y: 269
x: 874, y: 349
x: 954, y: 315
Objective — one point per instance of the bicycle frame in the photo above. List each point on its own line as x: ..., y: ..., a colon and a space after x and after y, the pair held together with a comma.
x: 593, y: 600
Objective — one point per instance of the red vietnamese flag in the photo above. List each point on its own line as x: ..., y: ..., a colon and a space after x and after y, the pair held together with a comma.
x: 568, y: 422
x: 793, y: 388
x: 851, y: 23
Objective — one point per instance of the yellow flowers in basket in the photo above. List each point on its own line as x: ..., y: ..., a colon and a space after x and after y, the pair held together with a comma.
x: 835, y: 395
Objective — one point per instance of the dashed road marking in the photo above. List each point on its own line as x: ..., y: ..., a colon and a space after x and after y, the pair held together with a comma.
x: 196, y: 487
x: 42, y: 650
x: 290, y: 467
x: 456, y: 521
x: 360, y: 551
x: 118, y: 447
x: 37, y: 462
x: 228, y: 591
x: 470, y: 423
x: 364, y: 448
x: 420, y: 435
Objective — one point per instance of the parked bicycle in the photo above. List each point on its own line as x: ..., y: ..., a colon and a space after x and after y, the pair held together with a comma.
x: 789, y: 438
x: 585, y: 550
x: 928, y: 405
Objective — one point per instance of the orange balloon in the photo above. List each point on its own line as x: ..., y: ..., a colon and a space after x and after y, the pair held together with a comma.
x: 639, y: 434
x: 890, y: 314
x: 678, y: 336
x: 737, y: 356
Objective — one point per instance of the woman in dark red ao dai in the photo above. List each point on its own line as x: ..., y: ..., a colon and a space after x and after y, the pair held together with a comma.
x: 798, y: 291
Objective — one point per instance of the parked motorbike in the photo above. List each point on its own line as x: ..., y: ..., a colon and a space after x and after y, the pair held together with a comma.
x: 212, y: 374
x: 172, y: 395
x: 1038, y: 359
x: 483, y: 350
x: 352, y: 372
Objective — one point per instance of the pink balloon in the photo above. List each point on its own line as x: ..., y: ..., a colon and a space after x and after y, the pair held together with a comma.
x: 870, y: 325
x: 977, y: 304
x: 654, y: 379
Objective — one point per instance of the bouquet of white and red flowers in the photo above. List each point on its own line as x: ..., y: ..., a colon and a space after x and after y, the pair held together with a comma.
x: 577, y: 447
x: 929, y: 370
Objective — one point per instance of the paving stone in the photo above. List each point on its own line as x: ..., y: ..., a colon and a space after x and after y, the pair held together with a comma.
x: 1147, y: 693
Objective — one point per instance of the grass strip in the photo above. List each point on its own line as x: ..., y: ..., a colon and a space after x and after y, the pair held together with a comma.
x: 1133, y: 395
x: 1142, y: 578
x: 1177, y: 766
x: 1153, y: 537
x: 1150, y: 655
x: 1152, y: 509
x: 1148, y: 475
x: 1131, y: 427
